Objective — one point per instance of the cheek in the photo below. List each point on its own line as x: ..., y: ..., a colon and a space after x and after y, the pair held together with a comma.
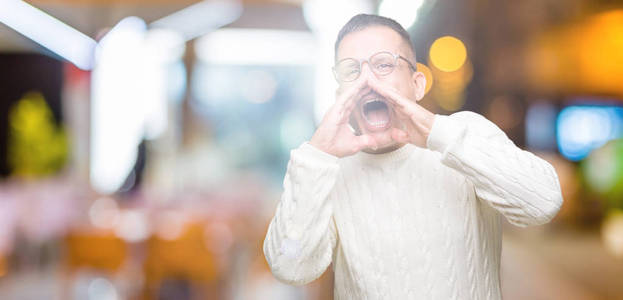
x: 407, y: 89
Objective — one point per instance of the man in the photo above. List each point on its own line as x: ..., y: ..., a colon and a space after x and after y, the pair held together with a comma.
x: 408, y: 206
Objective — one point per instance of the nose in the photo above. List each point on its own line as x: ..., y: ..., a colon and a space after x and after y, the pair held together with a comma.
x: 366, y: 70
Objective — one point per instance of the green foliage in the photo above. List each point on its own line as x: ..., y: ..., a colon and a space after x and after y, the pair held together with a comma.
x: 36, y: 146
x: 603, y: 173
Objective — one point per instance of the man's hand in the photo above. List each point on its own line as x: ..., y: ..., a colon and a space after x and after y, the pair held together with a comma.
x: 417, y: 120
x: 334, y: 136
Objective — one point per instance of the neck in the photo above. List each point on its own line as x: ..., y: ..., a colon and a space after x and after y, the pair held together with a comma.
x: 388, y: 158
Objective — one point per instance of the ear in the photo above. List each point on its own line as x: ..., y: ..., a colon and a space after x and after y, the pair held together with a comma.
x: 419, y: 80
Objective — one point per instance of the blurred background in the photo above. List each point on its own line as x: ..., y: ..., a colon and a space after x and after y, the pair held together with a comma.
x: 143, y: 143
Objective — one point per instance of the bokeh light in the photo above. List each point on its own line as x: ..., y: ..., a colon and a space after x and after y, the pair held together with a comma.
x: 171, y: 224
x: 325, y: 18
x: 403, y: 11
x: 540, y: 126
x: 260, y: 86
x: 612, y: 233
x: 104, y: 213
x: 155, y: 173
x: 449, y: 88
x: 428, y: 74
x: 584, y: 57
x: 603, y: 170
x: 102, y: 289
x: 584, y: 128
x: 132, y: 226
x: 448, y: 53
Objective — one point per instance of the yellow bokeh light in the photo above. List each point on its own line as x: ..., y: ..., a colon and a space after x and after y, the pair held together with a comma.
x: 428, y: 74
x: 449, y: 89
x: 612, y: 233
x: 583, y: 57
x: 448, y: 53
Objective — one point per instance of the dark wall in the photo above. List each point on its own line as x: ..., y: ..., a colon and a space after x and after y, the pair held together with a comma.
x: 19, y: 74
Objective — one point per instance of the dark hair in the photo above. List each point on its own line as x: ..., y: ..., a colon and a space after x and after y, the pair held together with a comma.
x: 363, y: 21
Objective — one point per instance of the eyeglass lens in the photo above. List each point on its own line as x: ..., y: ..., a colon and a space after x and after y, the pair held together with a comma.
x: 381, y: 63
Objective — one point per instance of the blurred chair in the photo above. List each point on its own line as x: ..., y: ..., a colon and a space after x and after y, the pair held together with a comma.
x: 102, y: 251
x: 3, y: 265
x: 178, y: 268
x: 92, y: 252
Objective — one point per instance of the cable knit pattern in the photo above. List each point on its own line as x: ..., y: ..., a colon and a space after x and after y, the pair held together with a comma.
x: 412, y: 223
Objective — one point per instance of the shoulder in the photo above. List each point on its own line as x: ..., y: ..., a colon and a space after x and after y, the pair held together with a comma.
x: 477, y: 123
x: 471, y: 118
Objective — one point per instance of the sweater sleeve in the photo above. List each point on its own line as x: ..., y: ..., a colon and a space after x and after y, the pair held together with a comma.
x: 301, y: 237
x: 521, y: 186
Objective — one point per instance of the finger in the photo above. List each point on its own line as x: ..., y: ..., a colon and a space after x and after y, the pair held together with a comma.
x: 344, y: 113
x: 346, y: 100
x: 365, y: 141
x: 346, y: 95
x: 399, y: 136
x: 392, y: 95
x: 401, y: 114
x: 405, y: 119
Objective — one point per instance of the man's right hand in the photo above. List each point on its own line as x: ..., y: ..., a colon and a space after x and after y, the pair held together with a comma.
x: 334, y: 136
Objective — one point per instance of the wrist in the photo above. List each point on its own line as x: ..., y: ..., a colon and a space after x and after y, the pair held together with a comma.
x: 444, y: 132
x: 316, y: 144
x: 427, y: 124
x: 319, y: 152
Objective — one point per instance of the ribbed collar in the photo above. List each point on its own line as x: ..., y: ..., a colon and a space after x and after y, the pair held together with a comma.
x: 397, y: 156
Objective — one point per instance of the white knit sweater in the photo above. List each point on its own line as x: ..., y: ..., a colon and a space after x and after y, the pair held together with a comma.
x: 413, y: 223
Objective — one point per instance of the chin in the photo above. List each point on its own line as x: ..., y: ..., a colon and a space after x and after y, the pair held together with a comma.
x: 388, y: 148
x: 386, y: 143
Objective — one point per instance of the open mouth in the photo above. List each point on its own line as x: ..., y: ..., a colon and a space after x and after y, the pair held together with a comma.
x: 376, y: 113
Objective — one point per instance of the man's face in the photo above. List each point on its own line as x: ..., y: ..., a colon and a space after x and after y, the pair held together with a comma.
x: 374, y: 115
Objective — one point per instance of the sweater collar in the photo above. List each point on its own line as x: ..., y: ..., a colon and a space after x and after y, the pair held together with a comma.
x: 396, y: 156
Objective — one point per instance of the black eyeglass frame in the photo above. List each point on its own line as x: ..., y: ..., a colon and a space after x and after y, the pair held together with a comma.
x: 396, y: 57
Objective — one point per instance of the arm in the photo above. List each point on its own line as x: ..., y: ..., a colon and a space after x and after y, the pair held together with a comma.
x: 301, y: 237
x: 516, y: 183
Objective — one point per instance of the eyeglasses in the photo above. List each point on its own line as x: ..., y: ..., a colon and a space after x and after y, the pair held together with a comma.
x: 381, y: 63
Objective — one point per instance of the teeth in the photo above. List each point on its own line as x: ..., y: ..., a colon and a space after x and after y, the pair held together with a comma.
x: 379, y: 124
x: 373, y: 100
